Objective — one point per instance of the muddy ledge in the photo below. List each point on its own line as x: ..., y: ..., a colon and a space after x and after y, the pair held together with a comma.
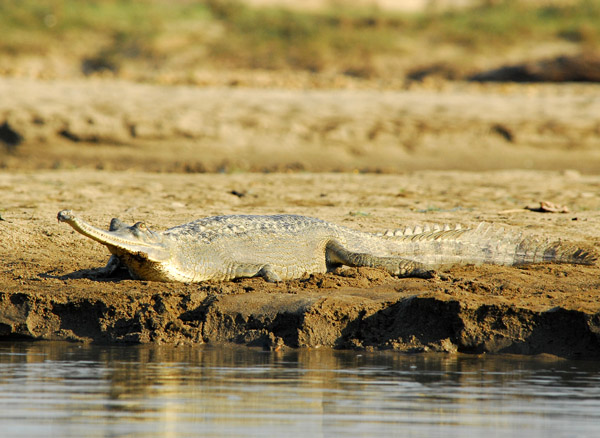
x: 357, y: 309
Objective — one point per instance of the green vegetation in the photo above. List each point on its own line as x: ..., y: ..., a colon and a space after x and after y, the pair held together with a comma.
x: 111, y: 34
x: 278, y: 38
x: 502, y: 24
x: 112, y: 30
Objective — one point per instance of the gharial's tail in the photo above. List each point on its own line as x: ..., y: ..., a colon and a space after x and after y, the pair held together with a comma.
x: 533, y: 251
x: 441, y: 246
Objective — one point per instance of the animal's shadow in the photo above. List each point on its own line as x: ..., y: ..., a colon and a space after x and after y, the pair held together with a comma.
x: 94, y: 274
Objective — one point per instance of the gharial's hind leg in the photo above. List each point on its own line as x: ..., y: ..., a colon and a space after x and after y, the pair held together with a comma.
x: 337, y: 254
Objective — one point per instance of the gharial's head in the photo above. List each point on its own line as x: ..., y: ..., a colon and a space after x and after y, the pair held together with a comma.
x: 120, y: 238
x: 138, y: 232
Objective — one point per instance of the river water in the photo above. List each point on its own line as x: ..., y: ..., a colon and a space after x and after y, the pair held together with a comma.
x: 74, y: 390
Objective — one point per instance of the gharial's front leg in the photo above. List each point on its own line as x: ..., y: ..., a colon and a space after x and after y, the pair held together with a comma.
x: 266, y: 271
x: 114, y: 264
x: 337, y: 254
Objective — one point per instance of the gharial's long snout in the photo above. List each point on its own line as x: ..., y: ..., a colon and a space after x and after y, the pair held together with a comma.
x: 135, y: 240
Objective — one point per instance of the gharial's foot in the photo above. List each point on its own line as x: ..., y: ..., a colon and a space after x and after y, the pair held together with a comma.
x: 244, y: 270
x: 406, y: 268
x: 269, y: 274
x: 113, y: 265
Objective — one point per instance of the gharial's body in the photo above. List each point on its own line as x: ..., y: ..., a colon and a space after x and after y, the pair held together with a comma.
x: 282, y: 247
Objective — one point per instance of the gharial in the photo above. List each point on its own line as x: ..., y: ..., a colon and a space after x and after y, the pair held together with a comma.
x: 283, y: 247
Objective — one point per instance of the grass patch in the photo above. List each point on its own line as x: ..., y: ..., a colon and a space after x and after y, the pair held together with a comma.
x: 275, y: 38
x: 351, y: 41
x: 114, y: 31
x: 506, y: 23
x: 107, y: 34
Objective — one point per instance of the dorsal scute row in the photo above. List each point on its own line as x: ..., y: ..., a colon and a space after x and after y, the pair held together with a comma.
x: 419, y: 229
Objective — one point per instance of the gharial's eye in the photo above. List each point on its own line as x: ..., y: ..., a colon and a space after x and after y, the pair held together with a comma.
x: 141, y: 226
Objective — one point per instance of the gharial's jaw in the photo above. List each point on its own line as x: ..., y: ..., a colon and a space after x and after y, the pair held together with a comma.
x: 119, y: 242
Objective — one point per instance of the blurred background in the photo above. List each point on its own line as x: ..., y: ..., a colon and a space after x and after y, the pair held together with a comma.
x: 480, y: 56
x: 392, y: 41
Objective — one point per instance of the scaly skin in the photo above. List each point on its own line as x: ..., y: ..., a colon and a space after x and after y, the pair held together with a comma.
x: 283, y: 247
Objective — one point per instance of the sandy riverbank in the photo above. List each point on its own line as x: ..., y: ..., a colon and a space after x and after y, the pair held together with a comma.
x: 46, y: 291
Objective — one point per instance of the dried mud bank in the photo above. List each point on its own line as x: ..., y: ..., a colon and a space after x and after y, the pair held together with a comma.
x: 456, y: 312
x: 48, y: 289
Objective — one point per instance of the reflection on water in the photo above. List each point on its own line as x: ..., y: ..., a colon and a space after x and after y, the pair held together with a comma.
x: 60, y: 389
